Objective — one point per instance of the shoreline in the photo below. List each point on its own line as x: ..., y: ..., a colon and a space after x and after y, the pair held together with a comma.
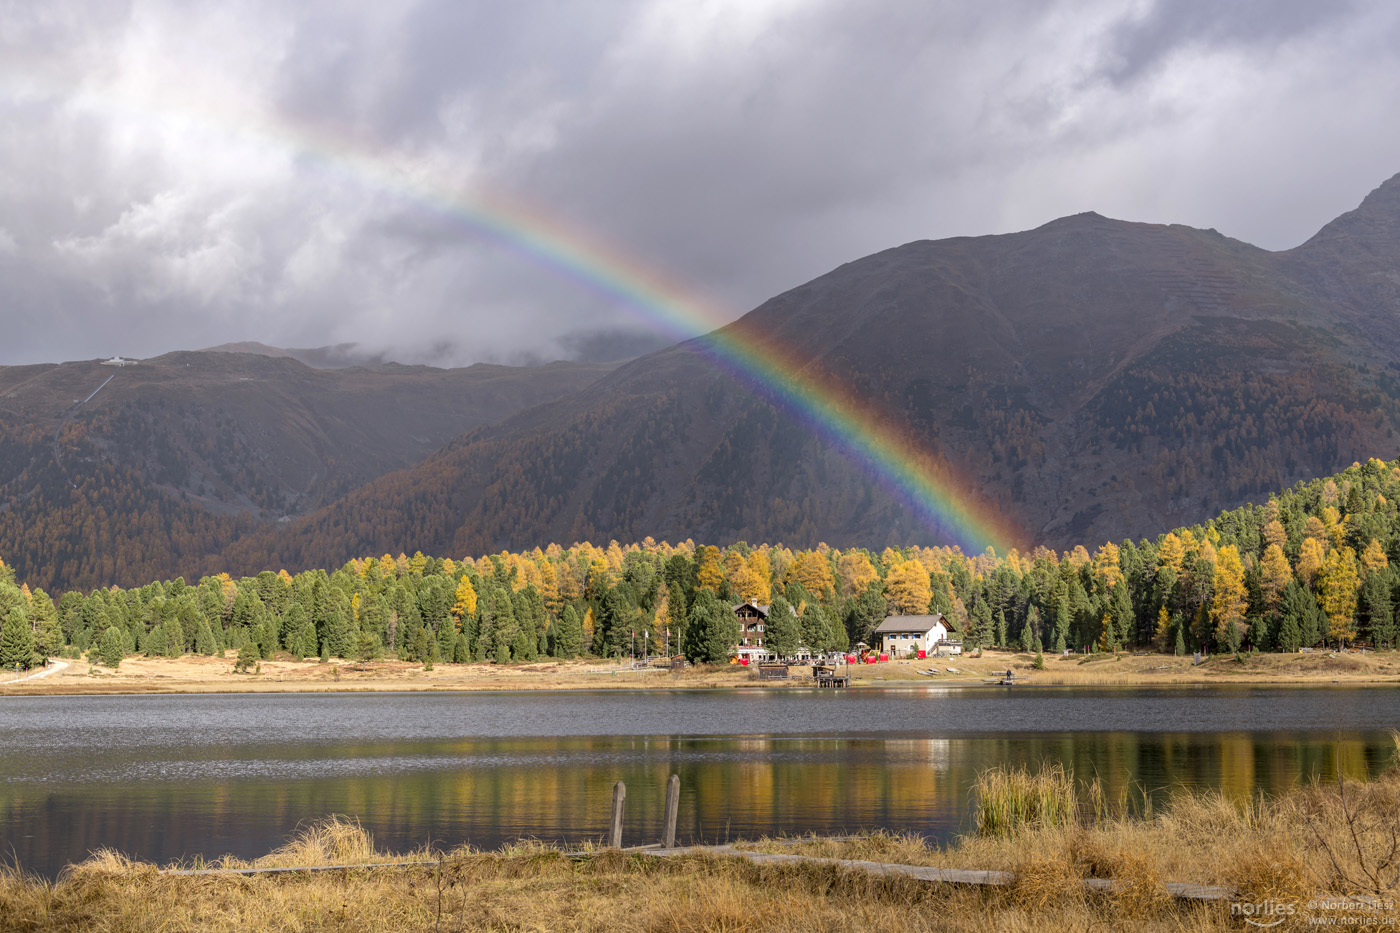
x: 208, y: 675
x: 1049, y: 854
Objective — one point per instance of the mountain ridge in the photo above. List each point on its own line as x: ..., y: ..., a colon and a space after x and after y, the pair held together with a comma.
x: 1034, y: 362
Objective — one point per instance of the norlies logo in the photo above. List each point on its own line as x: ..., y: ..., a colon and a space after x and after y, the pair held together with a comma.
x: 1262, y: 913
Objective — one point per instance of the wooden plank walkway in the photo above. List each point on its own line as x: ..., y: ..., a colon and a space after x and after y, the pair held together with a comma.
x: 287, y: 870
x: 1183, y: 891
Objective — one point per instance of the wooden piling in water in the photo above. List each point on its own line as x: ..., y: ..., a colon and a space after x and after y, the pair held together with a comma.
x: 673, y: 803
x: 619, y: 804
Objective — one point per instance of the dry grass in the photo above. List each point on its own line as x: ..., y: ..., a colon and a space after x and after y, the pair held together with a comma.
x: 1009, y: 800
x: 1329, y: 838
x: 609, y: 891
x: 193, y: 674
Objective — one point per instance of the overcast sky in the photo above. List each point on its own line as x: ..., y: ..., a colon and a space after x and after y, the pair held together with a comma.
x: 179, y: 174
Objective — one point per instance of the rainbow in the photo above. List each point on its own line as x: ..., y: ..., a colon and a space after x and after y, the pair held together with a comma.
x: 944, y: 499
x: 942, y: 496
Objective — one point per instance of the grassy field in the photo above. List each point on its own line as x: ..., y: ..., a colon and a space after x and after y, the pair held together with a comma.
x: 193, y: 674
x: 1280, y: 856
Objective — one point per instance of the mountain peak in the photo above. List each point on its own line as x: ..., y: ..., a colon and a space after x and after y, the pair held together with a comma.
x: 1375, y: 223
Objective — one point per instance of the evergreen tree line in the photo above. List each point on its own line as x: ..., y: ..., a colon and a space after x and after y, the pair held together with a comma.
x: 1313, y: 565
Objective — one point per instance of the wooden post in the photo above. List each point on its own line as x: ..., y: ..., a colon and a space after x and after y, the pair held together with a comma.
x: 619, y: 803
x: 673, y: 803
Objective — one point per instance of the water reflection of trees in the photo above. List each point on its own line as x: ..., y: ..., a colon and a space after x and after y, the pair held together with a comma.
x: 492, y: 790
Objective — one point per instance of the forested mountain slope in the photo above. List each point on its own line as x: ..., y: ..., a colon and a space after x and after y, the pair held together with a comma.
x: 117, y: 474
x: 1094, y: 378
x: 1314, y: 565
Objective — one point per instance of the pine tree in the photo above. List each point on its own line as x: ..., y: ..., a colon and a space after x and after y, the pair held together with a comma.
x: 611, y: 636
x: 711, y: 631
x: 112, y: 648
x: 865, y: 613
x: 813, y: 625
x: 782, y: 631
x: 204, y: 642
x: 174, y: 638
x: 1259, y: 634
x: 16, y: 641
x: 48, y: 633
x: 153, y: 644
x: 566, y: 634
x: 248, y: 656
x: 1376, y: 608
x: 1289, y: 632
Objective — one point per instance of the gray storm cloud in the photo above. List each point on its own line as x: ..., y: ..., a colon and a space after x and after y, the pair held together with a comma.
x: 177, y: 175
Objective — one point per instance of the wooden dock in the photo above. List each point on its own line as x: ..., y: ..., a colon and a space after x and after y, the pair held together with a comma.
x: 827, y: 675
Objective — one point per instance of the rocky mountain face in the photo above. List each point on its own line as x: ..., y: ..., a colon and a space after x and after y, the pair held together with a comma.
x: 1093, y: 379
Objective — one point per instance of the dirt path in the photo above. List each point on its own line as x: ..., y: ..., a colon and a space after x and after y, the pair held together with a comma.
x: 42, y: 672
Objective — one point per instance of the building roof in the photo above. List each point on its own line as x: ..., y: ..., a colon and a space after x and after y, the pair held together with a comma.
x: 762, y: 610
x: 920, y: 624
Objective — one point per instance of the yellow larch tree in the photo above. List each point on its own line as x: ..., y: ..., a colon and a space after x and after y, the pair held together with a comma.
x: 1170, y: 554
x: 1373, y: 557
x: 1335, y: 527
x: 1274, y: 533
x: 907, y: 588
x: 1078, y: 557
x: 599, y: 579
x: 709, y: 572
x: 762, y: 571
x: 465, y: 602
x: 1107, y: 569
x: 614, y: 557
x: 1162, y: 630
x: 1230, y: 598
x: 1274, y: 574
x: 549, y: 584
x: 857, y: 572
x: 813, y: 571
x: 1337, y: 583
x: 1310, y: 557
x: 889, y: 557
x: 735, y: 567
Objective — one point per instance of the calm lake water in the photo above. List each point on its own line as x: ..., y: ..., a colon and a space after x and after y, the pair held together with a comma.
x: 162, y: 778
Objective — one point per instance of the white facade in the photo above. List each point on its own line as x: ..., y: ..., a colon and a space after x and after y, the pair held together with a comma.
x: 906, y: 636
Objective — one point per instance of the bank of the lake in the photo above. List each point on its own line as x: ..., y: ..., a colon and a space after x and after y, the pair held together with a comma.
x: 1317, y: 855
x: 195, y: 674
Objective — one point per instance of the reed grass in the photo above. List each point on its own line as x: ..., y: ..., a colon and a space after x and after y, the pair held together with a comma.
x: 1009, y: 800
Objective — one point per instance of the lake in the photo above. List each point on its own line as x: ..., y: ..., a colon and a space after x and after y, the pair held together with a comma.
x: 168, y: 777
